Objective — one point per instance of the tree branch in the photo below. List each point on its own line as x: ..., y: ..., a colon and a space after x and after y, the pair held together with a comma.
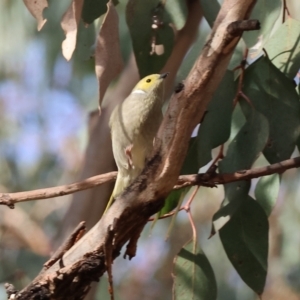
x: 210, y: 179
x: 10, y: 199
x: 214, y: 179
x: 85, y: 261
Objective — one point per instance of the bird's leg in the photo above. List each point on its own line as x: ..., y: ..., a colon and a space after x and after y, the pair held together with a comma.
x: 129, y: 156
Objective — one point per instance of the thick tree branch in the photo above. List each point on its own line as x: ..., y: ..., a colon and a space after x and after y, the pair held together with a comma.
x: 203, y: 179
x: 85, y: 261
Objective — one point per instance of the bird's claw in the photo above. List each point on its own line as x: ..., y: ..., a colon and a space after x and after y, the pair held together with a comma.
x: 128, y: 150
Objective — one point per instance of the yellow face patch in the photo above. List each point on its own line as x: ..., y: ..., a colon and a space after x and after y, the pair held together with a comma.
x: 148, y: 82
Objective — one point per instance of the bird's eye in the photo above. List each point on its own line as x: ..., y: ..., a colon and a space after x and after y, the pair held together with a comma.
x: 148, y: 80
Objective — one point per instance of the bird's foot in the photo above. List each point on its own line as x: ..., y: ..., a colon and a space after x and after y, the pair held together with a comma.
x: 128, y: 150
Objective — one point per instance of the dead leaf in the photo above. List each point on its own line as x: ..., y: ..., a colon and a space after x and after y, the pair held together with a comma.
x: 69, y: 24
x: 36, y: 9
x: 109, y: 62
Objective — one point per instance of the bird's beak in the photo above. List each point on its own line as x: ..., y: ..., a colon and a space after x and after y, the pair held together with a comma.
x: 164, y: 75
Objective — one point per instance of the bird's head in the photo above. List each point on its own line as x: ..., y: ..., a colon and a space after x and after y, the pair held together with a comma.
x: 150, y: 83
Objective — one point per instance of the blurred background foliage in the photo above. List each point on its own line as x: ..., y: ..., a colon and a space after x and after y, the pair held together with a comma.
x: 44, y: 107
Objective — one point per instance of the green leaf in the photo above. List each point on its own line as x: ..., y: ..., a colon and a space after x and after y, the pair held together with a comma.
x: 266, y: 192
x: 267, y: 12
x: 194, y: 278
x: 248, y: 143
x: 210, y: 9
x: 190, y: 162
x: 274, y: 95
x: 193, y: 53
x: 139, y: 14
x: 215, y: 128
x: 189, y: 167
x: 172, y: 200
x: 93, y: 9
x: 85, y: 42
x: 241, y: 154
x: 178, y: 12
x: 283, y: 48
x: 245, y: 240
x: 238, y: 55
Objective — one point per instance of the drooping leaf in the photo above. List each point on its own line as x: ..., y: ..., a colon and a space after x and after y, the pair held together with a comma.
x: 189, y: 167
x: 283, y: 48
x: 193, y: 275
x: 172, y: 200
x: 85, y: 42
x: 274, y: 95
x: 267, y: 12
x: 211, y: 9
x: 190, y: 163
x: 69, y: 24
x: 241, y: 154
x: 36, y: 8
x: 266, y: 192
x: 238, y: 55
x: 215, y: 128
x: 152, y: 47
x: 245, y: 240
x: 178, y: 12
x: 93, y: 9
x: 248, y: 143
x: 108, y: 56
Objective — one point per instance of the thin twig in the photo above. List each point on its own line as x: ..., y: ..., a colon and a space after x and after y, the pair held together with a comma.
x: 285, y: 10
x: 188, y: 210
x: 198, y: 179
x: 193, y: 228
x: 207, y: 180
x: 187, y: 207
x: 10, y: 199
x: 242, y: 66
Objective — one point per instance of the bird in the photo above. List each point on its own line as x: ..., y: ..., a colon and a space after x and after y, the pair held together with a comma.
x: 133, y: 125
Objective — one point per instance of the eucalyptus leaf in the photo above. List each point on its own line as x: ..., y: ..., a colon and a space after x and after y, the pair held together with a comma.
x: 215, y: 128
x: 241, y: 154
x: 193, y: 275
x: 283, y: 48
x: 266, y: 192
x: 274, y: 96
x: 139, y: 17
x: 93, y: 9
x: 211, y: 9
x: 245, y: 240
x: 178, y: 12
x: 267, y: 12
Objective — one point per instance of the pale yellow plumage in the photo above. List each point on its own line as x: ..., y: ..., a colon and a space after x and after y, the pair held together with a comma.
x: 134, y: 124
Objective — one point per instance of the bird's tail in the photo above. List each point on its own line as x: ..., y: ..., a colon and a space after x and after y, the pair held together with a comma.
x: 121, y: 183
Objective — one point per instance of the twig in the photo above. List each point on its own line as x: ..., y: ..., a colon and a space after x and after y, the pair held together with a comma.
x: 238, y: 27
x: 198, y: 179
x: 73, y: 238
x: 242, y: 66
x: 285, y: 10
x: 10, y: 199
x: 204, y: 179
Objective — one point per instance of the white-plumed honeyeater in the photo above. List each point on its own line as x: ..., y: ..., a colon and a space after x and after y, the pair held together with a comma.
x: 134, y: 124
